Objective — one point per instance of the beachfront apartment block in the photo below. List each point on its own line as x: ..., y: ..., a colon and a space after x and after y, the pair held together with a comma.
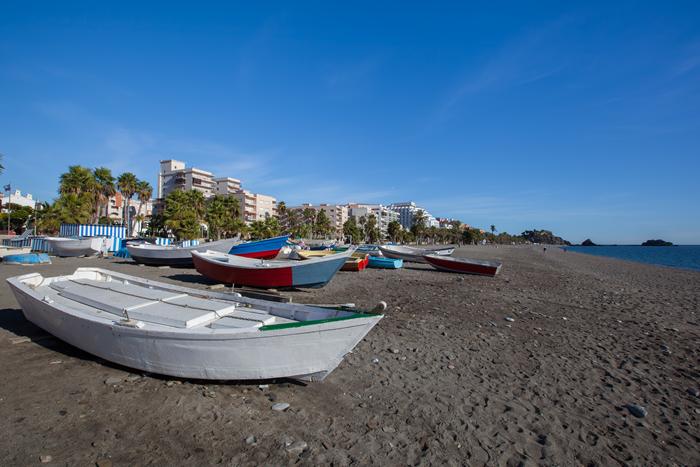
x: 382, y: 213
x: 407, y: 210
x: 227, y: 185
x: 174, y: 175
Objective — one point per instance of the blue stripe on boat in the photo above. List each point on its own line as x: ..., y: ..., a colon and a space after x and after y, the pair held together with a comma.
x: 268, y: 244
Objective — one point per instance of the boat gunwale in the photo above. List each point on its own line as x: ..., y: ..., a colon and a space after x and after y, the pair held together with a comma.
x: 241, y: 262
x: 193, y: 333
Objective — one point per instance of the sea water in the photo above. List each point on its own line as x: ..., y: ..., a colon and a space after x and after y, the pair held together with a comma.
x: 681, y: 256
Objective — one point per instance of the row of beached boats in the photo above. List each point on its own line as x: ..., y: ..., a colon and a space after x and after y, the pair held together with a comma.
x: 181, y: 332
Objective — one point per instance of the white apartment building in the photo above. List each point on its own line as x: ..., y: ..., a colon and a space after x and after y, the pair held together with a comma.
x: 18, y: 198
x: 227, y: 185
x: 174, y: 175
x: 254, y: 206
x: 383, y: 214
x: 408, y: 209
x: 337, y: 214
x: 246, y: 204
x: 265, y: 206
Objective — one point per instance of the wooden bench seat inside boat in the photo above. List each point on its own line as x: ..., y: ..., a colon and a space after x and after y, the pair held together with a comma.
x: 157, y: 306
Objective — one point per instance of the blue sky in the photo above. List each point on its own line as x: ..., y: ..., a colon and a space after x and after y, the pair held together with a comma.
x: 582, y: 118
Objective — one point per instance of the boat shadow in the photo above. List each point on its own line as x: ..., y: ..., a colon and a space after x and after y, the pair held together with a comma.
x: 13, y: 321
x: 419, y: 267
x: 191, y: 279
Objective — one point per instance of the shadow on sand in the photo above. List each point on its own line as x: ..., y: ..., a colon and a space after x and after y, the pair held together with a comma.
x: 192, y: 279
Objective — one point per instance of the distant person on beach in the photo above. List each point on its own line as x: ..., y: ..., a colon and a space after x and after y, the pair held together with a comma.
x: 544, y: 249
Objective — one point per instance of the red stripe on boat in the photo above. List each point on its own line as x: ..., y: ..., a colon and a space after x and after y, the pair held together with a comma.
x: 468, y: 268
x: 267, y: 278
x: 269, y: 254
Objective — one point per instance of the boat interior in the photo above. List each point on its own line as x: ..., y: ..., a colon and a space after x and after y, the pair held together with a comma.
x: 139, y: 303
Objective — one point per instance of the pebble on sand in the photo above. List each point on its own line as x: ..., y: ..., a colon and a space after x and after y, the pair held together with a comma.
x: 375, y: 360
x: 509, y: 319
x: 280, y: 407
x: 695, y: 392
x: 112, y: 380
x: 637, y: 410
x: 45, y: 459
x: 297, y: 447
x: 251, y: 441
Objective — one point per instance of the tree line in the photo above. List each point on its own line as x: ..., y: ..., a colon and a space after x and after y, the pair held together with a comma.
x: 84, y: 199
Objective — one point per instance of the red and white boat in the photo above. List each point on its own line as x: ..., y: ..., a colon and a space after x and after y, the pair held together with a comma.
x: 463, y: 265
x: 238, y: 270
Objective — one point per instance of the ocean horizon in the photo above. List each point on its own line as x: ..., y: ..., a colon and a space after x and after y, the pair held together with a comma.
x: 677, y: 256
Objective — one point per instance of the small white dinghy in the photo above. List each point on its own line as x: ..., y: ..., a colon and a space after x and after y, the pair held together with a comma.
x: 72, y: 247
x: 188, y: 333
x: 414, y: 255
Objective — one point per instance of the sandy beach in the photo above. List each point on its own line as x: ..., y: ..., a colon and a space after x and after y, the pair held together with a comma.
x: 533, y: 367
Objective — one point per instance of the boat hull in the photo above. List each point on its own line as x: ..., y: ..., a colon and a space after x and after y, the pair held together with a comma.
x: 154, y: 255
x: 309, y: 352
x: 378, y: 262
x: 297, y: 274
x: 268, y: 248
x: 69, y: 247
x: 27, y: 258
x: 464, y: 265
x: 357, y: 262
x: 413, y: 255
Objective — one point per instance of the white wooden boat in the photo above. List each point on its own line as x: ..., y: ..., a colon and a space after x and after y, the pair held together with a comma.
x: 13, y: 250
x: 174, y: 255
x: 69, y: 247
x: 415, y: 255
x: 181, y: 332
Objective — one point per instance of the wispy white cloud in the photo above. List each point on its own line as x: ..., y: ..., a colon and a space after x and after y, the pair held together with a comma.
x: 527, y: 59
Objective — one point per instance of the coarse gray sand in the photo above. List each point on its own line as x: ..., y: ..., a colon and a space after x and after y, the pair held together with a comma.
x: 443, y: 379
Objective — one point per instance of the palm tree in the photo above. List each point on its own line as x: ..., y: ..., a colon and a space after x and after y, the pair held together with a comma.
x: 77, y: 180
x: 2, y: 167
x: 103, y: 189
x: 282, y: 214
x: 127, y: 186
x: 144, y: 191
x: 418, y: 226
x: 493, y: 228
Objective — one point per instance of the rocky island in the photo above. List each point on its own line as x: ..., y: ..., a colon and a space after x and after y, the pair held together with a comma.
x: 588, y: 242
x: 657, y: 242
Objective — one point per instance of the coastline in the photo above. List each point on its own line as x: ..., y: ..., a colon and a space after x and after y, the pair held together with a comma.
x: 454, y: 382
